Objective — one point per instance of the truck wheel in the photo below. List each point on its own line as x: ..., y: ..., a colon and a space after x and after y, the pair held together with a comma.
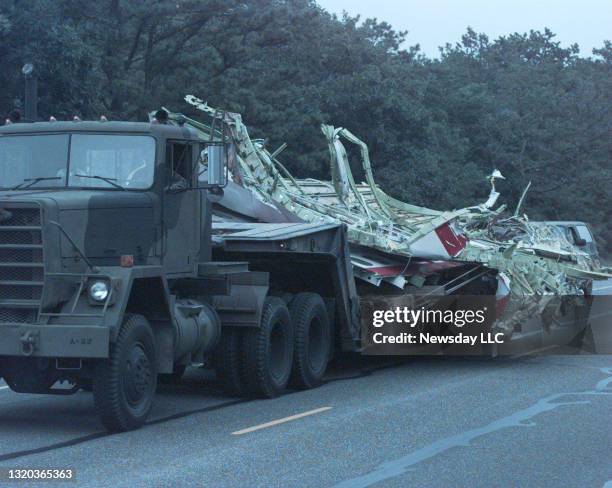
x: 268, y: 351
x: 228, y: 362
x: 124, y: 384
x: 584, y: 342
x: 312, y: 340
x: 29, y: 375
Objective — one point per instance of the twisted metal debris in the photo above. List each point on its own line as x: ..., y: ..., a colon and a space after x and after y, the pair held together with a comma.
x: 534, y: 261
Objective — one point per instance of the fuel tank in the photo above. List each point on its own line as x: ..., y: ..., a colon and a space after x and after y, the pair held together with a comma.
x: 197, y: 328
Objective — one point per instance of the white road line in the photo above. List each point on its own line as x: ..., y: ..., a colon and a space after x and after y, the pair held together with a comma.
x: 534, y: 351
x: 3, y: 387
x: 281, y: 421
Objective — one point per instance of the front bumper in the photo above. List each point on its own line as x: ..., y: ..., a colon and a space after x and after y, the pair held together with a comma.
x: 66, y: 341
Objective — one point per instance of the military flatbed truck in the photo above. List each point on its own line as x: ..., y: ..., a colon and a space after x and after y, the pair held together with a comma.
x: 126, y: 255
x: 107, y: 276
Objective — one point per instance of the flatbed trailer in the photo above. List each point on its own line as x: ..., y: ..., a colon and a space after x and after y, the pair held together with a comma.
x: 299, y: 258
x: 317, y: 258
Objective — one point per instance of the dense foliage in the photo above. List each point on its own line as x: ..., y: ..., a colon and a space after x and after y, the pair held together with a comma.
x: 436, y: 128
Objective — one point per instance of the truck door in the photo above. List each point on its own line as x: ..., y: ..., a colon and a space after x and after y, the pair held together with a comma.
x: 181, y: 216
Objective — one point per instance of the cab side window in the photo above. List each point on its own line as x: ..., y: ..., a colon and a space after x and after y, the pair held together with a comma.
x: 580, y: 235
x: 179, y: 161
x: 583, y: 233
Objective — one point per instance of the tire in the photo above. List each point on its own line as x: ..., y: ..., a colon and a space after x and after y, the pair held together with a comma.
x: 584, y: 341
x: 312, y: 340
x: 173, y: 378
x: 29, y: 375
x: 124, y: 384
x: 228, y: 362
x: 268, y: 351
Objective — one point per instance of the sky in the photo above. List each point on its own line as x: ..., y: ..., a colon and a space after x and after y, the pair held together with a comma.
x: 433, y: 23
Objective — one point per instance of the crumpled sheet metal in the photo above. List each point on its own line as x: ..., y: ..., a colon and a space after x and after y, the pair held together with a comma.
x: 372, y: 217
x: 536, y: 259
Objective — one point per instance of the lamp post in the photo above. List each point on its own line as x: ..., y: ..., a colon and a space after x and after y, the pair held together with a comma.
x: 31, y: 92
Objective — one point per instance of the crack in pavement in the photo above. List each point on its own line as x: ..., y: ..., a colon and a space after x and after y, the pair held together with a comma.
x: 521, y: 418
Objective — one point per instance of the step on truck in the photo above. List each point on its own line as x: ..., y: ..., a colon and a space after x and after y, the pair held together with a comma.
x: 108, y: 282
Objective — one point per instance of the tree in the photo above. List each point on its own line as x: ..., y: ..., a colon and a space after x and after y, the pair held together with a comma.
x: 521, y: 103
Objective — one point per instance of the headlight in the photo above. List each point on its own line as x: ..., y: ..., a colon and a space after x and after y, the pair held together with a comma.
x: 98, y: 291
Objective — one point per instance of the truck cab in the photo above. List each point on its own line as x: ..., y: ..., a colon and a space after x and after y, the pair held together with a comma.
x: 115, y: 188
x: 579, y: 234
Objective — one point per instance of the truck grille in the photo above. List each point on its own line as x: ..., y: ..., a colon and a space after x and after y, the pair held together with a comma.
x: 15, y: 315
x: 21, y: 262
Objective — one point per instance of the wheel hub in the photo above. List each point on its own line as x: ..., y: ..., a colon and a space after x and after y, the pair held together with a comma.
x: 138, y: 375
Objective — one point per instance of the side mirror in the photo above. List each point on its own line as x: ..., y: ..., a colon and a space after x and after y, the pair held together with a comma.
x: 217, y: 166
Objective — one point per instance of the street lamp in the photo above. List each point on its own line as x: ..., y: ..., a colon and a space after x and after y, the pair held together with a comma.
x: 31, y: 92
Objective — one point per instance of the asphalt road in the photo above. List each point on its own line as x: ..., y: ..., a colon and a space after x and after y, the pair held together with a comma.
x: 527, y: 421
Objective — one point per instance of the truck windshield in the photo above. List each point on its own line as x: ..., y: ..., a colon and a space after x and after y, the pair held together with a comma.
x: 77, y: 160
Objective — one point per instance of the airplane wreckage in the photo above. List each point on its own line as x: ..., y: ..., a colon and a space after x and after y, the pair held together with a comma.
x: 531, y: 268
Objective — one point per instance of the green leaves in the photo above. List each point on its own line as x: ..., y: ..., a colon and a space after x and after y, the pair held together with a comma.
x: 521, y: 103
